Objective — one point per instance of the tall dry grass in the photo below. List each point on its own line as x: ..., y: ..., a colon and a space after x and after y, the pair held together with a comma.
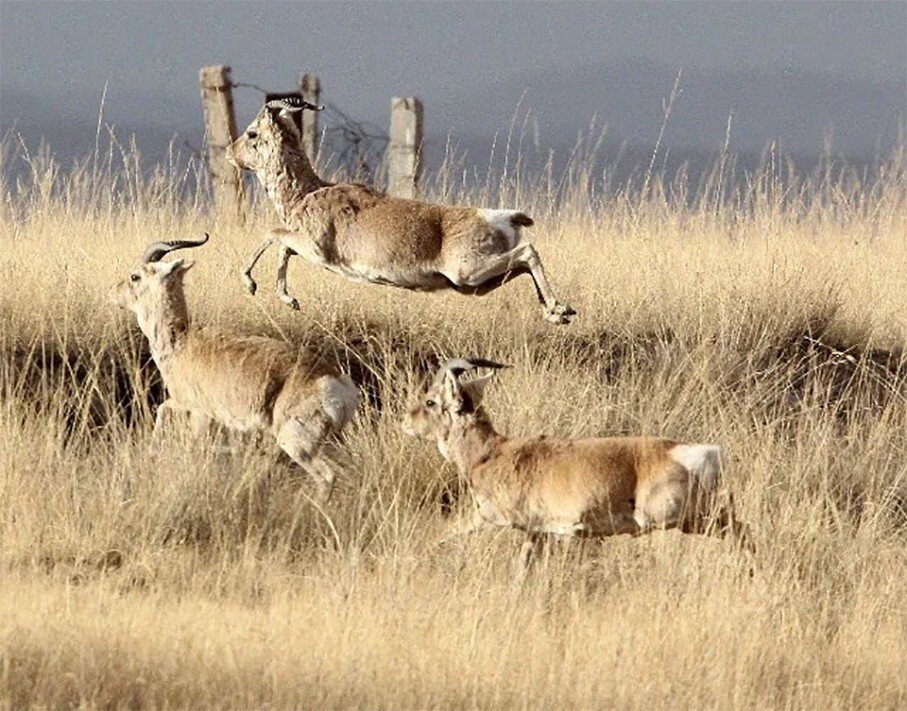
x: 766, y: 314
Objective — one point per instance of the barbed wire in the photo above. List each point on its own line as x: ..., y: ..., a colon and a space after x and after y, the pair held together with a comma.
x: 246, y: 85
x: 359, y: 146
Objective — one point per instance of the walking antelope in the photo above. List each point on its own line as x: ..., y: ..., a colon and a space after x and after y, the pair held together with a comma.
x: 567, y: 487
x: 244, y: 383
x: 367, y: 236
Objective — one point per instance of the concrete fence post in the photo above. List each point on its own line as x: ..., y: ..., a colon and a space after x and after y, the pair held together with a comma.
x: 405, y: 151
x: 220, y: 132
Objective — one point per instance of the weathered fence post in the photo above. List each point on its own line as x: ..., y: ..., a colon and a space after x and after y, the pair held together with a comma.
x: 405, y: 153
x: 310, y: 88
x: 220, y: 131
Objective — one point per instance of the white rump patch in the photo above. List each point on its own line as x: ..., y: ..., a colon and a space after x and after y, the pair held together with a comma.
x: 500, y: 220
x: 703, y: 461
x: 339, y: 398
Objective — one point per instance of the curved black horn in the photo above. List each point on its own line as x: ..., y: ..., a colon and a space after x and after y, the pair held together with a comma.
x: 457, y: 366
x: 157, y: 250
x: 293, y: 104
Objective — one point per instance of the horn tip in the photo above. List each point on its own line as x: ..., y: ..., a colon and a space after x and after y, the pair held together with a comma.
x: 486, y: 363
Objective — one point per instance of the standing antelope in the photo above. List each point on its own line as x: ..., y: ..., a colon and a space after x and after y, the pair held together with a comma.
x: 567, y: 487
x: 367, y: 236
x: 245, y: 383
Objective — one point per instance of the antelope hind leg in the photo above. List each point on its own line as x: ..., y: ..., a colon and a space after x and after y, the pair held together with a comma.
x: 520, y: 259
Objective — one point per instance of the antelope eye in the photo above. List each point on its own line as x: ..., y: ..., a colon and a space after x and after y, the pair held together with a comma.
x: 252, y: 134
x: 134, y: 277
x: 430, y: 403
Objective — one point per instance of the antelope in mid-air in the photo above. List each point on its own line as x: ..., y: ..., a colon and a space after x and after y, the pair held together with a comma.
x: 367, y: 236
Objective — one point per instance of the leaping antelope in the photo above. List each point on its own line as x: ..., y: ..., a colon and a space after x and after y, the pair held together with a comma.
x: 367, y: 236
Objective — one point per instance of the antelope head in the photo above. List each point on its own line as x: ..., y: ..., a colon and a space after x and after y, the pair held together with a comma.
x: 447, y: 400
x: 271, y: 133
x: 155, y: 288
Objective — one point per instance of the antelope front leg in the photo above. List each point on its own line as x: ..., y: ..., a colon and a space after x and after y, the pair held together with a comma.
x: 282, y: 264
x: 247, y: 271
x: 164, y: 412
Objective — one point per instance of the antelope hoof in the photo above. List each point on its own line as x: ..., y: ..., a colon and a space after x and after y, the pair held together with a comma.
x: 293, y: 303
x: 250, y: 284
x: 559, y: 314
x: 563, y: 309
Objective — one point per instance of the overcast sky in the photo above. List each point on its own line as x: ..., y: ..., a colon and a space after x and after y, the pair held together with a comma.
x: 470, y: 62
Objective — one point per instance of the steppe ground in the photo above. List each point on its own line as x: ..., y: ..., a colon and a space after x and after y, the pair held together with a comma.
x: 768, y: 315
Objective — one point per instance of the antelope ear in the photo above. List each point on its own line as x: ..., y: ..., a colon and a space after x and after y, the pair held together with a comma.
x: 268, y: 114
x: 179, y: 266
x: 451, y: 393
x: 475, y: 389
x: 287, y: 122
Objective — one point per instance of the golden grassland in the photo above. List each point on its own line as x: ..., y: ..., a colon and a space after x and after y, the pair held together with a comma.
x: 770, y: 319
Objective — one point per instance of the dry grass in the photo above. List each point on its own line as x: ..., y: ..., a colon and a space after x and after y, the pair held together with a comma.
x: 771, y: 321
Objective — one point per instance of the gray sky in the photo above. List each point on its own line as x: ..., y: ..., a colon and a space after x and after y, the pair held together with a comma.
x: 786, y: 71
